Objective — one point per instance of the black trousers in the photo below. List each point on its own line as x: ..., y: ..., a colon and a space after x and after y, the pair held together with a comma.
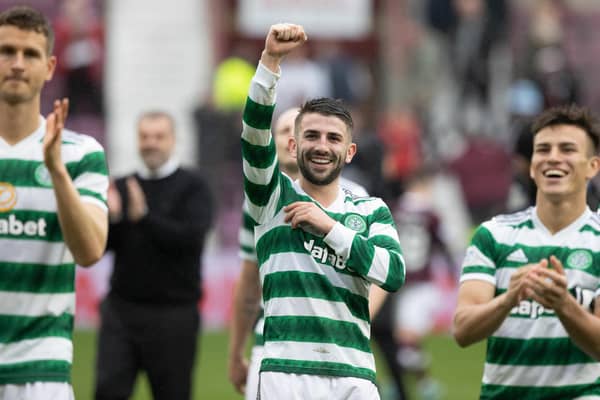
x: 158, y: 339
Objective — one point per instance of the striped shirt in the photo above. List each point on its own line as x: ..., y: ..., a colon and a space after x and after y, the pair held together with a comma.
x: 315, y: 288
x: 248, y: 249
x: 37, y: 271
x: 531, y: 356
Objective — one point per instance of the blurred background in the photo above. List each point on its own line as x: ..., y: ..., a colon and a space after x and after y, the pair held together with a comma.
x: 447, y: 85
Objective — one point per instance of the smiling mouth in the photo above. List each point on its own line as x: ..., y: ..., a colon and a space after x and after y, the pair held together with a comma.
x: 554, y: 173
x: 320, y: 161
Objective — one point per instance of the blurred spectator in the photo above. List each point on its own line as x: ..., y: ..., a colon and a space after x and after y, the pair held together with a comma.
x: 544, y: 28
x: 471, y: 42
x: 478, y: 72
x: 441, y: 15
x: 425, y: 250
x: 80, y: 52
x: 411, y: 59
x: 544, y: 58
x: 558, y: 81
x: 484, y: 172
x: 400, y: 134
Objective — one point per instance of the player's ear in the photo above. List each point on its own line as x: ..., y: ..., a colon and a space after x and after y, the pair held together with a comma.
x: 350, y: 152
x: 50, y: 67
x: 292, y: 146
x: 593, y: 167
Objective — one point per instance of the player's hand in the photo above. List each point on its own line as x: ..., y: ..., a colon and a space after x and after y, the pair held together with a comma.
x: 548, y: 286
x: 281, y: 39
x: 308, y: 217
x: 517, y: 287
x: 137, y: 207
x: 55, y: 122
x: 115, y: 204
x: 238, y: 371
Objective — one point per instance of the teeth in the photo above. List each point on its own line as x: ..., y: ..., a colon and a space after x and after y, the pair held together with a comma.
x: 320, y: 161
x: 554, y: 173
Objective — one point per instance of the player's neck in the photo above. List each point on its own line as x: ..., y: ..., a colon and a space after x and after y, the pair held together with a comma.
x: 18, y: 121
x: 324, y: 194
x: 558, y: 214
x: 294, y: 176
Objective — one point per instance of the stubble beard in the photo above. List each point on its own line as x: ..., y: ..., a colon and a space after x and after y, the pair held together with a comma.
x: 315, y: 180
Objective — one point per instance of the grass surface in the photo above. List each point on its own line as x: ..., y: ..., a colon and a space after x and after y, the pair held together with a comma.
x: 458, y: 370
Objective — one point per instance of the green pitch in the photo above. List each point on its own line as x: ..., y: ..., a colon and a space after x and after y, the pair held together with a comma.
x: 458, y: 370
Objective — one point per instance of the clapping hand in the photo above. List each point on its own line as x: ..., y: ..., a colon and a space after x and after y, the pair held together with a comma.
x: 55, y: 122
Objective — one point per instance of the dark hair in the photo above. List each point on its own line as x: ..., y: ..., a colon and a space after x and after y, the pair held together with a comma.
x: 328, y: 107
x: 29, y: 19
x: 574, y: 115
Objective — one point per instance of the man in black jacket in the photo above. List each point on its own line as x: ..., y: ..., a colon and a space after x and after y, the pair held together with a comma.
x: 159, y: 218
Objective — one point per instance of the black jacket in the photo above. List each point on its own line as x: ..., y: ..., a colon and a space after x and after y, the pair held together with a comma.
x: 157, y: 260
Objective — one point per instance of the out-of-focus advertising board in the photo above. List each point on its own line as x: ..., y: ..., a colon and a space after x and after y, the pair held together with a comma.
x: 336, y: 19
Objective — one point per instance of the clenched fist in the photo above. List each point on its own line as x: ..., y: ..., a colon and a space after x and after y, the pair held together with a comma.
x: 281, y: 39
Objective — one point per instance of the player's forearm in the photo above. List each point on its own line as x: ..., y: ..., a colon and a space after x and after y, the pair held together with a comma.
x: 271, y: 62
x: 84, y: 226
x: 475, y: 322
x: 377, y: 297
x: 378, y: 259
x: 582, y: 326
x: 246, y: 306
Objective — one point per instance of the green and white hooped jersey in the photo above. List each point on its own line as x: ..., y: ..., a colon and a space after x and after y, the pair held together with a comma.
x: 315, y: 289
x: 248, y: 251
x: 37, y: 271
x: 531, y: 355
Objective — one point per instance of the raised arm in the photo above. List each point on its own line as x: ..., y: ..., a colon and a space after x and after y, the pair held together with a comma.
x: 261, y: 172
x: 84, y: 224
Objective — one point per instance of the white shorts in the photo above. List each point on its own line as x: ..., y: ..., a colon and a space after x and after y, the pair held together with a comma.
x: 253, y: 371
x: 37, y: 391
x: 279, y: 385
x: 417, y: 306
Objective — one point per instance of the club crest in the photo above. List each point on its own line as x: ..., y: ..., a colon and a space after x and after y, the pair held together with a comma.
x: 356, y: 223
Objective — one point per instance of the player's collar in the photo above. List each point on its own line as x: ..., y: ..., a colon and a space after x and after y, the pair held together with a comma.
x: 573, y: 226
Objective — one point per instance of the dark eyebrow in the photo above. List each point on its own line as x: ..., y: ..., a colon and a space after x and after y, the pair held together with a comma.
x: 32, y: 50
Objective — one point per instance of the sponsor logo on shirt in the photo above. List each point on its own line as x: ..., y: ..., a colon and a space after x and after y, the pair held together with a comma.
x: 533, y: 309
x: 325, y: 255
x: 8, y: 196
x: 15, y: 227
